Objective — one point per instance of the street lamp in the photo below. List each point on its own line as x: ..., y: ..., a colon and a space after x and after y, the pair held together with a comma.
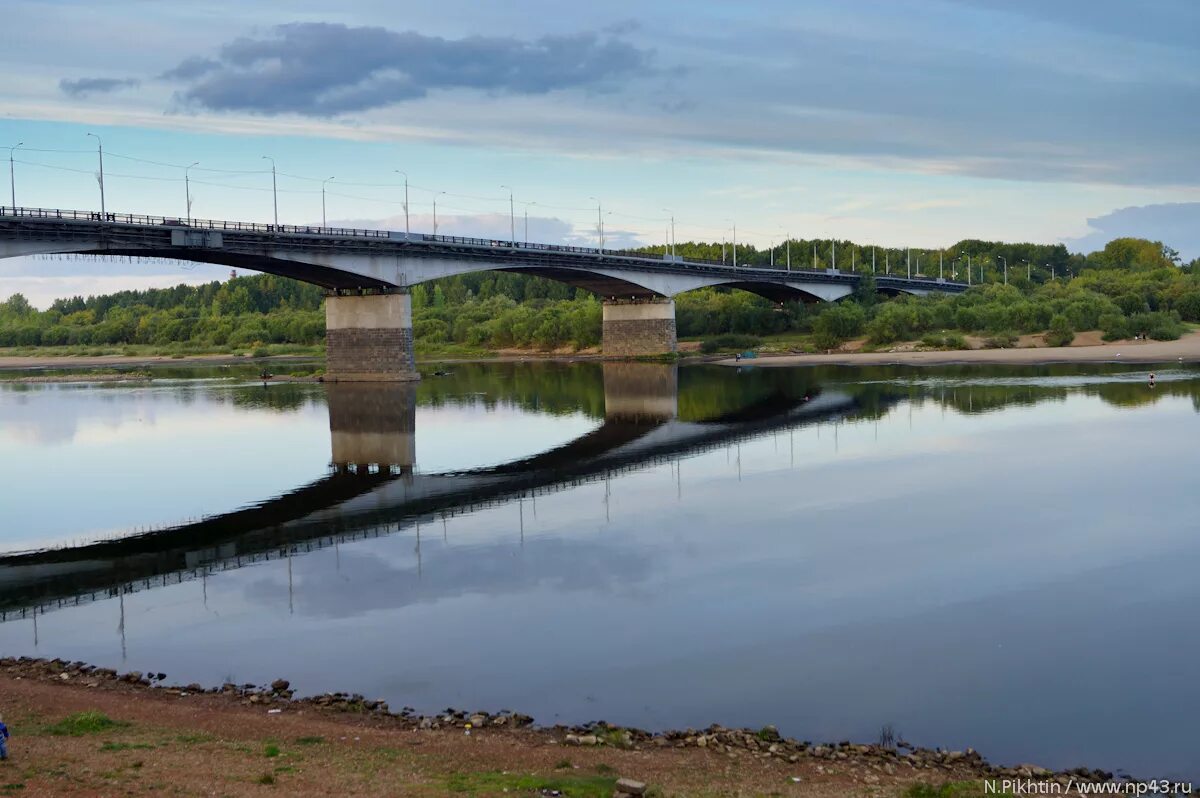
x: 599, y: 225
x: 1005, y: 262
x: 323, y: 182
x: 788, y: 249
x: 435, y: 196
x: 100, y: 150
x: 187, y: 190
x: 668, y: 210
x: 397, y: 171
x: 734, y: 242
x: 274, y: 188
x: 12, y: 174
x: 512, y: 217
x: 527, y: 204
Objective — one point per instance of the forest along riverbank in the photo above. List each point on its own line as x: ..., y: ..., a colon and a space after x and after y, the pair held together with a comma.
x: 1186, y: 349
x: 135, y: 732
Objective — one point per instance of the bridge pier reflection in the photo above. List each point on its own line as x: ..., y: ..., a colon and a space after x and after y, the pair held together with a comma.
x: 372, y: 426
x: 641, y: 391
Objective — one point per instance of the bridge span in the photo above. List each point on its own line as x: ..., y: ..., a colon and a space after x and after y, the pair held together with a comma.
x: 368, y: 274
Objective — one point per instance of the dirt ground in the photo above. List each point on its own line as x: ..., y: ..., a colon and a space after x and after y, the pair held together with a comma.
x: 169, y: 741
x: 1086, y: 348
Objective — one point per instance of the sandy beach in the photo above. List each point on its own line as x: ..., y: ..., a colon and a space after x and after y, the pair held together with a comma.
x: 1087, y: 349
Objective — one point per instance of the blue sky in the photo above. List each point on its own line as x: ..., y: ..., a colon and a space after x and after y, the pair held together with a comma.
x: 905, y: 122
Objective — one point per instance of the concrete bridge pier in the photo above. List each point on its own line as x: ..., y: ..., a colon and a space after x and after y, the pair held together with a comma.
x: 373, y: 426
x: 369, y: 338
x: 638, y: 327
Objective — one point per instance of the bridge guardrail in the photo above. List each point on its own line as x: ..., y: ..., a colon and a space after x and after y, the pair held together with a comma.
x: 642, y: 258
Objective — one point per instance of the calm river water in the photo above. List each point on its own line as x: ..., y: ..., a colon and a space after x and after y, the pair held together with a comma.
x: 1003, y: 558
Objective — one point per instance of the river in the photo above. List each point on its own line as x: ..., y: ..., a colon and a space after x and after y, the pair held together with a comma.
x: 996, y: 557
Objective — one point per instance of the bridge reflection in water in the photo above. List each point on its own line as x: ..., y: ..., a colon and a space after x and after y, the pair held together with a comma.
x: 374, y: 487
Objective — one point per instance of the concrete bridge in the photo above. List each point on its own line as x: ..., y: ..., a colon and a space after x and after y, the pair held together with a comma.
x: 368, y: 274
x: 374, y: 489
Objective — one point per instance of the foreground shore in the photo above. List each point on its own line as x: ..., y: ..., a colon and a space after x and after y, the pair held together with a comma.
x: 79, y: 730
x: 1087, y: 350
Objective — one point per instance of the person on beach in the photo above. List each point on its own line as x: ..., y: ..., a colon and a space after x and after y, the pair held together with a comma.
x: 1152, y: 379
x: 3, y: 739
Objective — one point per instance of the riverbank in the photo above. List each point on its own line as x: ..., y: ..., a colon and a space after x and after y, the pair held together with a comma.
x: 1087, y: 350
x: 79, y: 730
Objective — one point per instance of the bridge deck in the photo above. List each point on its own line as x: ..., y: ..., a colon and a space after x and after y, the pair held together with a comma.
x: 167, y: 237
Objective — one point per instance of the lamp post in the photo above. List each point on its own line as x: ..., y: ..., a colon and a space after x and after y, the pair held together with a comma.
x: 788, y: 250
x: 968, y: 269
x: 512, y: 217
x: 734, y: 243
x: 100, y: 150
x: 872, y: 260
x: 941, y: 275
x: 187, y: 191
x: 527, y: 204
x: 323, y: 182
x: 12, y: 173
x: 833, y: 251
x: 599, y: 225
x: 274, y: 188
x: 1005, y: 262
x: 668, y: 210
x: 399, y: 172
x: 435, y: 196
x: 908, y: 261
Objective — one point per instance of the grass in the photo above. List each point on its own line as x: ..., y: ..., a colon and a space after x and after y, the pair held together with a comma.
x: 195, y: 737
x: 309, y: 740
x: 266, y: 778
x: 82, y: 723
x: 271, y: 751
x: 569, y: 786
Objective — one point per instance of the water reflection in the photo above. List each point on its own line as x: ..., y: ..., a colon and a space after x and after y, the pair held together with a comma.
x: 825, y: 549
x: 373, y: 488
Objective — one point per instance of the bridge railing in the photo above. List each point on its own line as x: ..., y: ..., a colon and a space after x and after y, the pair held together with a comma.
x: 642, y: 258
x: 194, y: 224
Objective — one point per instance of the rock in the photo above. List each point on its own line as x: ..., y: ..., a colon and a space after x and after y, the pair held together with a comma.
x: 631, y: 787
x: 477, y: 720
x: 279, y: 685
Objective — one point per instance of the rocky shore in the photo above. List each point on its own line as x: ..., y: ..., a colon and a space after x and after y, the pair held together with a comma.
x: 868, y: 765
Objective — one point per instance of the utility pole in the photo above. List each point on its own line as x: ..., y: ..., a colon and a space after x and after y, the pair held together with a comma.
x: 668, y: 210
x: 323, y: 182
x: 188, y: 192
x: 397, y: 171
x: 12, y: 173
x: 100, y: 149
x: 599, y: 226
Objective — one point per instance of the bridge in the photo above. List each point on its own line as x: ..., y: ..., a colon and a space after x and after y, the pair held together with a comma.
x: 373, y: 488
x: 368, y: 274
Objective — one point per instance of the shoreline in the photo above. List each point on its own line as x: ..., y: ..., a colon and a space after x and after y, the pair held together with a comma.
x: 1184, y: 350
x: 681, y: 762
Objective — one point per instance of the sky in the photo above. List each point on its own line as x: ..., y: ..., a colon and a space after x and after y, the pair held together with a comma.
x: 896, y: 122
